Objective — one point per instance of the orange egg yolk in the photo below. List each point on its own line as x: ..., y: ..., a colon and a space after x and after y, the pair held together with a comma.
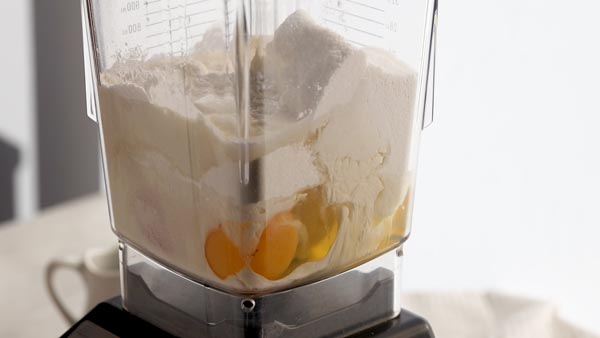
x: 222, y: 255
x: 277, y: 246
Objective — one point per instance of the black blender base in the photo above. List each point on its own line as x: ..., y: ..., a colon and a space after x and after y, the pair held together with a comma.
x: 406, y: 325
x: 109, y: 320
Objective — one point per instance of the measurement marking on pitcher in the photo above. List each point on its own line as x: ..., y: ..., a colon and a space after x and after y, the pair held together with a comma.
x: 164, y: 44
x: 156, y: 46
x: 343, y: 12
x: 155, y: 12
x: 155, y: 34
x: 357, y: 43
x: 176, y: 6
x: 201, y: 12
x: 195, y: 3
x: 155, y: 23
x: 365, y: 5
x: 173, y: 25
x: 170, y: 8
x: 163, y: 21
x: 171, y: 20
x: 177, y: 29
x: 353, y: 28
x: 195, y: 36
x: 200, y: 24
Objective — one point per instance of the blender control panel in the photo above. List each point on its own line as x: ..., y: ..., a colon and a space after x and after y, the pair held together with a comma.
x: 109, y: 320
x: 89, y: 329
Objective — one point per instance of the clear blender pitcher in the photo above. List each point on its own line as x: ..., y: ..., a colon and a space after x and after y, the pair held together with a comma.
x: 255, y: 148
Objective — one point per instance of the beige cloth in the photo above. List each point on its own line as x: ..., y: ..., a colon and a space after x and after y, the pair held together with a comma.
x: 490, y: 315
x: 27, y: 312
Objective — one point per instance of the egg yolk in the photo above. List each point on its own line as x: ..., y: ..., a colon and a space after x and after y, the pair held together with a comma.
x: 400, y: 218
x: 277, y: 246
x: 395, y: 225
x: 321, y: 224
x: 222, y: 255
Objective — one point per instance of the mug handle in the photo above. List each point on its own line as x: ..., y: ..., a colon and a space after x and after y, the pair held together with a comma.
x: 70, y: 263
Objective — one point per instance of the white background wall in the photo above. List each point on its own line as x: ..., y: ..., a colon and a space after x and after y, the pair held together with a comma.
x: 509, y: 181
x: 508, y: 194
x: 43, y: 108
x: 17, y: 107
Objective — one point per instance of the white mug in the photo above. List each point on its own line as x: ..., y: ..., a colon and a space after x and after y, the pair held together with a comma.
x: 99, y: 269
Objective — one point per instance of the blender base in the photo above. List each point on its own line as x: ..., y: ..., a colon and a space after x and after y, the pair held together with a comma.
x: 159, y: 302
x: 109, y: 320
x: 337, y: 306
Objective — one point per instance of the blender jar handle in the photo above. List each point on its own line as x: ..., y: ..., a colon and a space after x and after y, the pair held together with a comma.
x: 89, y: 65
x: 430, y: 86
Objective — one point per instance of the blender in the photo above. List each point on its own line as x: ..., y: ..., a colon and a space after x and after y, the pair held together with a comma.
x: 260, y: 161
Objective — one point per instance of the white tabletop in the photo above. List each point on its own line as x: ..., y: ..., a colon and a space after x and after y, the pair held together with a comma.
x: 26, y: 310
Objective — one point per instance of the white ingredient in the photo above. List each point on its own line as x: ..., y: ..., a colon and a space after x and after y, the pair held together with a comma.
x: 325, y: 114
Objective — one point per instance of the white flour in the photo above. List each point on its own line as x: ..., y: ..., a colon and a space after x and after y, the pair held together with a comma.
x: 324, y: 115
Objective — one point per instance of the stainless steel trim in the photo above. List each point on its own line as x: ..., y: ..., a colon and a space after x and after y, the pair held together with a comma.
x: 337, y: 306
